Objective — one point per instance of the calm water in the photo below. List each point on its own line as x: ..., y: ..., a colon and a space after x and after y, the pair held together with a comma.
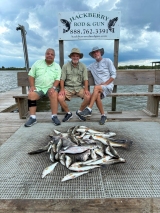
x: 9, y: 81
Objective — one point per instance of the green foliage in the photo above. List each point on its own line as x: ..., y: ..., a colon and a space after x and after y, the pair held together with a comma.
x: 12, y: 68
x: 126, y: 67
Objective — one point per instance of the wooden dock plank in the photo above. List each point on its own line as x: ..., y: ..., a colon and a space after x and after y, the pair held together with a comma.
x: 7, y: 102
x: 137, y: 205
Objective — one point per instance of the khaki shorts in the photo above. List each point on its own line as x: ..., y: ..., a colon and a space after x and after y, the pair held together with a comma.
x: 68, y: 94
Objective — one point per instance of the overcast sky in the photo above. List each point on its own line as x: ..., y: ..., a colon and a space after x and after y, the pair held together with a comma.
x: 139, y: 30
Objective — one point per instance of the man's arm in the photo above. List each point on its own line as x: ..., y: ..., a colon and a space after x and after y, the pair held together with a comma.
x: 62, y: 92
x: 86, y: 87
x: 31, y: 84
x: 108, y: 81
x: 56, y: 83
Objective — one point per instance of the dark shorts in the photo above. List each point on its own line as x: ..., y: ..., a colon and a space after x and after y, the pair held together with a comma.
x: 42, y: 94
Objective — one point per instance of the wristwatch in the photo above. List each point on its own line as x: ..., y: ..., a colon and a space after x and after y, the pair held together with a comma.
x: 54, y: 87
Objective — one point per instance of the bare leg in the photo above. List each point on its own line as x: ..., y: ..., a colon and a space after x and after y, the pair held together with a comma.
x: 85, y: 102
x: 97, y: 90
x: 53, y: 97
x: 99, y: 104
x: 63, y: 103
x: 33, y: 96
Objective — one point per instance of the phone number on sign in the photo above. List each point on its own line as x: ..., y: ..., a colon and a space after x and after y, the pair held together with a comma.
x: 89, y: 31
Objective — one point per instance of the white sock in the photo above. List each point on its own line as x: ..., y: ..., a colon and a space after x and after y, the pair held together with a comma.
x: 69, y: 112
x: 89, y: 109
x: 79, y: 111
x: 54, y: 115
x: 103, y: 115
x: 33, y: 116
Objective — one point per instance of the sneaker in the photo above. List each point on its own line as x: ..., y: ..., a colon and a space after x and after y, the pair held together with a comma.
x: 103, y: 120
x: 56, y: 121
x: 85, y: 112
x: 80, y: 117
x: 30, y: 122
x: 67, y: 117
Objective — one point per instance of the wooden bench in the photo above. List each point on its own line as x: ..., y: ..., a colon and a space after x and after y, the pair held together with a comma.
x: 124, y: 77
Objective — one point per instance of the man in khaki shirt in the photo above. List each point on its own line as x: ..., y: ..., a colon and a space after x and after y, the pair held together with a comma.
x: 74, y: 81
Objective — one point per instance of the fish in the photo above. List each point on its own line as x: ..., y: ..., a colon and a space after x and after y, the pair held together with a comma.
x: 66, y: 24
x: 100, y: 161
x: 83, y: 127
x: 61, y: 134
x: 68, y: 161
x: 91, y: 131
x: 80, y: 168
x: 70, y: 129
x: 111, y: 23
x: 73, y: 175
x: 67, y: 142
x: 101, y: 139
x: 82, y: 130
x: 57, y: 155
x: 74, y: 130
x: 121, y: 143
x: 49, y: 148
x: 84, y: 156
x: 106, y: 135
x: 49, y: 169
x: 51, y: 156
x: 75, y: 149
x: 57, y: 132
x: 62, y: 159
x: 56, y: 139
x: 40, y: 150
x: 93, y: 154
x: 54, y: 147
x: 74, y: 139
x: 81, y: 141
x: 99, y: 151
x: 114, y: 161
x: 59, y: 145
x: 86, y: 137
x: 81, y: 136
x: 111, y: 151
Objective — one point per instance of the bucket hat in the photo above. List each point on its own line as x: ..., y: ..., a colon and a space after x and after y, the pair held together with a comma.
x: 95, y: 49
x: 76, y: 50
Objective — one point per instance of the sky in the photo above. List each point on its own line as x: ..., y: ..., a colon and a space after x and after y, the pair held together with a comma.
x: 139, y: 42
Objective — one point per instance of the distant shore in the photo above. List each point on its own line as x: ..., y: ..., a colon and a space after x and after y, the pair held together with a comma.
x: 119, y: 67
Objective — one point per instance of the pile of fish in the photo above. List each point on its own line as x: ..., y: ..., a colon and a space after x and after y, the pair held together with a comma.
x: 81, y: 149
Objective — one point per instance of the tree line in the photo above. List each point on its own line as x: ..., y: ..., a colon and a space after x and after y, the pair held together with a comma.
x: 125, y: 67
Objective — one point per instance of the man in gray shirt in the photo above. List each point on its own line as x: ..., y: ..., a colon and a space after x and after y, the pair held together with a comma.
x: 74, y: 81
x: 104, y: 73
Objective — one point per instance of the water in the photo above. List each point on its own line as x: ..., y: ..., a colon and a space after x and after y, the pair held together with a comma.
x: 9, y: 81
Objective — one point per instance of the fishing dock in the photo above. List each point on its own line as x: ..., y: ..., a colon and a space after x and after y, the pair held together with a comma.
x: 130, y: 187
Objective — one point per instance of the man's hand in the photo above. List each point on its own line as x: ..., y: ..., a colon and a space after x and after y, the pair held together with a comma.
x: 32, y: 89
x: 51, y: 91
x: 62, y: 93
x: 87, y: 92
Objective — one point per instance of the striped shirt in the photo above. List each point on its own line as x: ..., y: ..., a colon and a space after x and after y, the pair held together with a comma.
x: 45, y: 75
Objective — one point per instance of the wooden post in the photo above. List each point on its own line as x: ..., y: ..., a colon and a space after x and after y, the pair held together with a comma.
x: 61, y: 57
x: 149, y: 99
x: 116, y: 49
x: 61, y: 53
x: 24, y: 90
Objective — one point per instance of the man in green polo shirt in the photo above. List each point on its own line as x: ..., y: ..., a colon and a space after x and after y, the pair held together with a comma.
x: 44, y: 77
x: 74, y: 81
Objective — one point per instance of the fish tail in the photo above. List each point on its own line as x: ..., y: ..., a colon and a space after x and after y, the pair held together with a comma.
x: 36, y: 152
